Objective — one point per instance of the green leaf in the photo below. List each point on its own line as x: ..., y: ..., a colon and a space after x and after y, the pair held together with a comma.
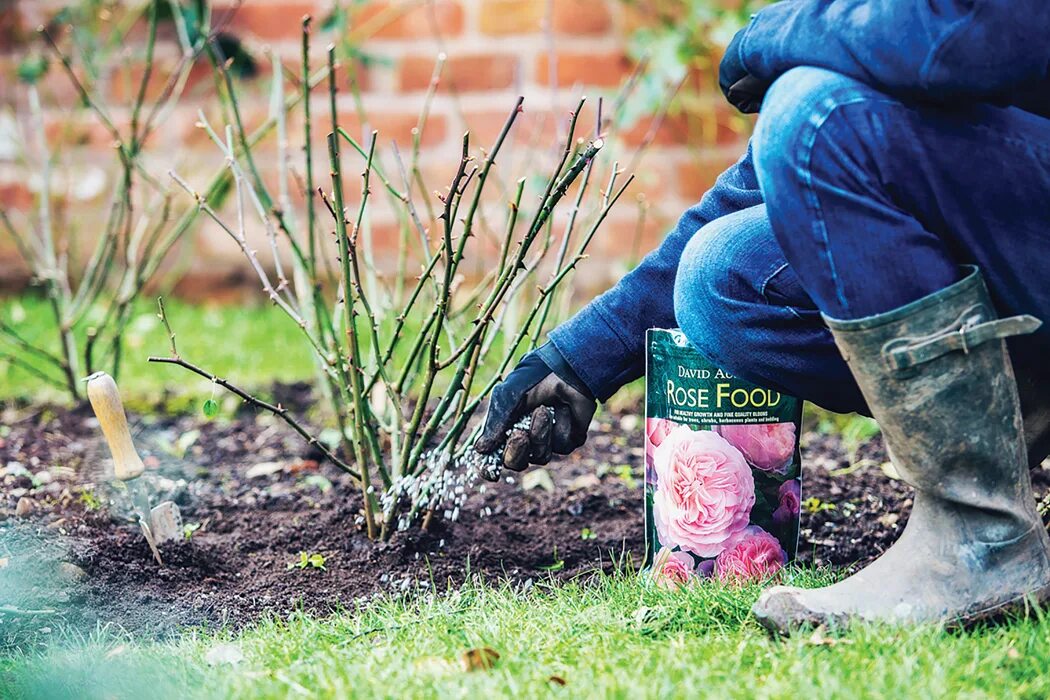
x: 210, y: 408
x: 32, y: 68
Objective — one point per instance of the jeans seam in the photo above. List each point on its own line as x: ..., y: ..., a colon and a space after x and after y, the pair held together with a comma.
x: 808, y: 144
x: 765, y: 284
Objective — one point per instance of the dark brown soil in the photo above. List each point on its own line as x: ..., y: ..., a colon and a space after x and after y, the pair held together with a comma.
x: 235, y: 566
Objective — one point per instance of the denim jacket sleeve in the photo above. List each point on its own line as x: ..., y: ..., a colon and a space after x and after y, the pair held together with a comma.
x: 987, y: 50
x: 605, y: 342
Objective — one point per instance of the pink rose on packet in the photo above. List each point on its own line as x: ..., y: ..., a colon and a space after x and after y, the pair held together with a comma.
x: 790, y: 502
x: 751, y: 555
x: 656, y: 429
x: 673, y: 569
x: 768, y: 447
x: 704, y: 491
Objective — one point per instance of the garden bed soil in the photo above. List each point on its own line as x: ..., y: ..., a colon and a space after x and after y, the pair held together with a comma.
x: 258, y: 498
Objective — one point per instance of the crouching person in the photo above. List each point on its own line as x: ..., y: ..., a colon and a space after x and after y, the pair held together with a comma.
x: 879, y: 248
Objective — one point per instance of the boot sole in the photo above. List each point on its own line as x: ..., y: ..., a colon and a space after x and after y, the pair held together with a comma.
x: 998, y: 613
x: 842, y: 621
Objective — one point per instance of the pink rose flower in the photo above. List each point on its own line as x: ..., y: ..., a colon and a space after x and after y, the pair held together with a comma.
x: 769, y: 447
x: 751, y: 555
x: 672, y: 569
x: 656, y: 429
x: 704, y: 491
x: 790, y: 502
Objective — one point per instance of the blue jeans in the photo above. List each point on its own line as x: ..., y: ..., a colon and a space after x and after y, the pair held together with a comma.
x: 869, y: 203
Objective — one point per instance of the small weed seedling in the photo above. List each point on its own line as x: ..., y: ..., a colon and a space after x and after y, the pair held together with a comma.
x: 813, y: 505
x: 308, y: 561
x: 89, y: 499
x: 557, y: 565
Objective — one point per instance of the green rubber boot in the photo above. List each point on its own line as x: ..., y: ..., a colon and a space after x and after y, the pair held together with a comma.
x: 938, y: 379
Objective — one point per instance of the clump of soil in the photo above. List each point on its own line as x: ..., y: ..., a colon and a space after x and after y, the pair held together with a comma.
x: 254, y: 498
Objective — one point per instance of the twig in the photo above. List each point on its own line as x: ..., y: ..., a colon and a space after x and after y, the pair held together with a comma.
x: 279, y: 411
x: 164, y: 319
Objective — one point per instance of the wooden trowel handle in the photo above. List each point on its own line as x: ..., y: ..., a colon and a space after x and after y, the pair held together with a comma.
x: 105, y: 401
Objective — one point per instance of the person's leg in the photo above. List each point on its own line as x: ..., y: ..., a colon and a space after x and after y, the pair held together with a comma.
x: 742, y: 307
x: 865, y: 194
x: 876, y: 203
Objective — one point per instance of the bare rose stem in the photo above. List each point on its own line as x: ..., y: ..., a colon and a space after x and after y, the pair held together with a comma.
x: 279, y: 411
x: 357, y: 357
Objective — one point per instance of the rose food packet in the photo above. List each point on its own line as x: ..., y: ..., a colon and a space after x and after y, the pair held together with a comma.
x: 722, y: 469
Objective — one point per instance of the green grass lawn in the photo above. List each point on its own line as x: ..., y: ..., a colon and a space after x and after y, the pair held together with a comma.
x: 615, y: 638
x: 252, y: 344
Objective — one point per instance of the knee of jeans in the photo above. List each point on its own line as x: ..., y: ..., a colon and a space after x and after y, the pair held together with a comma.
x: 796, y: 110
x: 704, y: 291
x: 804, y: 108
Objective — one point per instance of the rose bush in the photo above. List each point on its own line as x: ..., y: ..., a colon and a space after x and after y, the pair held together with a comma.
x: 704, y: 491
x: 790, y: 494
x: 768, y: 447
x: 751, y: 555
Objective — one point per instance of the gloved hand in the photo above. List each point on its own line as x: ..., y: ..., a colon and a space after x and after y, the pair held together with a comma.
x: 744, y: 91
x: 543, y: 380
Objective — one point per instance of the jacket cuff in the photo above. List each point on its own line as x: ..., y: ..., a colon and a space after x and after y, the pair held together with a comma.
x: 759, y: 62
x: 596, y: 352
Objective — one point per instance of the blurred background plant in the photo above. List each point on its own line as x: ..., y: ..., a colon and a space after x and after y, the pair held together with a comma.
x: 91, y: 295
x: 682, y: 41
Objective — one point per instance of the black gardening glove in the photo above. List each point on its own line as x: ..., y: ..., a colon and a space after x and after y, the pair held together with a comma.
x: 744, y: 91
x: 544, y: 386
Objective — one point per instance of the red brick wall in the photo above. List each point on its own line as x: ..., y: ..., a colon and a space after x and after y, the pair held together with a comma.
x: 549, y: 51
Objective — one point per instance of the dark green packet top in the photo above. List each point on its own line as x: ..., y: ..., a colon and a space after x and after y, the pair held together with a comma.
x: 722, y: 469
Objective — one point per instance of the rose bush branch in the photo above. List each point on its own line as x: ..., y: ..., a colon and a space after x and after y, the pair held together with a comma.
x: 276, y: 409
x: 405, y: 363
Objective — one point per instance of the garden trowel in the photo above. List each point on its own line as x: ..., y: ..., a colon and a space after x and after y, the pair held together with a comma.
x: 159, y: 524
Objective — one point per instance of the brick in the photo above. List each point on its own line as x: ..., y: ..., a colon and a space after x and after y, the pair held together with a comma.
x: 529, y: 128
x: 471, y: 73
x: 13, y: 30
x: 396, y: 126
x: 125, y: 81
x: 697, y: 174
x: 625, y: 237
x: 607, y: 69
x: 642, y: 15
x: 501, y: 17
x: 15, y: 195
x: 400, y: 20
x: 216, y: 282
x: 83, y: 130
x: 14, y: 277
x: 585, y: 17
x: 712, y: 125
x: 269, y: 22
